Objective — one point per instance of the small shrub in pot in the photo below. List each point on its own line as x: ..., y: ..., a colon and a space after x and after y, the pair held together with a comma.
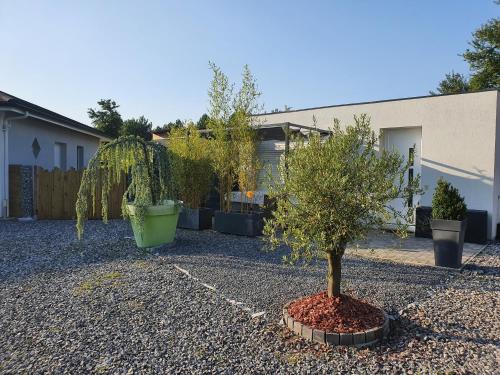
x: 448, y: 224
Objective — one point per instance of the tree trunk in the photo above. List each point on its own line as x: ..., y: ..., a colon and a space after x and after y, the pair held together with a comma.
x: 334, y: 274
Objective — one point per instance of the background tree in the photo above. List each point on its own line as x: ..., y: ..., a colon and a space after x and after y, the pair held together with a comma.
x: 140, y: 127
x: 202, y: 122
x: 484, y: 62
x: 454, y: 83
x: 484, y: 56
x: 332, y: 191
x: 106, y: 118
x: 166, y: 128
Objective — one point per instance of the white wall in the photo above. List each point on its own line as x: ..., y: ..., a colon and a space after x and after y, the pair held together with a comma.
x: 3, y: 195
x: 459, y: 140
x: 23, y: 132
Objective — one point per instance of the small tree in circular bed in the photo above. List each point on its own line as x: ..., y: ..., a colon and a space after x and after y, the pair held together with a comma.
x: 147, y: 165
x: 333, y: 191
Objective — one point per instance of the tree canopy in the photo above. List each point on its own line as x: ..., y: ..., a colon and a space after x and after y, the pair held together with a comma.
x: 483, y: 58
x: 106, y: 118
x: 332, y: 191
x: 140, y: 127
x: 454, y: 83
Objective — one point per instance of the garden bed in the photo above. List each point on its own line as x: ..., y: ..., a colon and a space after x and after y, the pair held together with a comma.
x: 342, y: 320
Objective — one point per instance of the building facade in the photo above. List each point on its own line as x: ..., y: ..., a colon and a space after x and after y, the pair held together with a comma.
x: 34, y: 136
x: 451, y: 136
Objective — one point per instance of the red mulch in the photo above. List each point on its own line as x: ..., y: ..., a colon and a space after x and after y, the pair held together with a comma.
x: 336, y: 314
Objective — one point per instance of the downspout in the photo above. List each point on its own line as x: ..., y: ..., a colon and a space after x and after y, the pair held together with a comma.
x: 6, y: 124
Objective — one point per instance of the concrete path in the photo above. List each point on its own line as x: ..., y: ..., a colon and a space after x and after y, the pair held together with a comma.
x: 412, y: 250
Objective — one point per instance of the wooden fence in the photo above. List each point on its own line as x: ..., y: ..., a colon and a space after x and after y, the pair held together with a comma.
x: 56, y: 191
x: 15, y: 191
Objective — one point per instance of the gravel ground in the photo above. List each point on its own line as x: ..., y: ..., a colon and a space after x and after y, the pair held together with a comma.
x: 103, y: 306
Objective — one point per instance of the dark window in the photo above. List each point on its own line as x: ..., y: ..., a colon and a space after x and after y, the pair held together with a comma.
x: 79, y: 157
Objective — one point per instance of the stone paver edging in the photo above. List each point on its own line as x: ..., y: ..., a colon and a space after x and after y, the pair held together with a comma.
x: 362, y: 338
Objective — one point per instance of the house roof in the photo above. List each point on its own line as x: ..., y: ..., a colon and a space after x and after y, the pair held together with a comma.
x: 373, y: 102
x: 10, y: 101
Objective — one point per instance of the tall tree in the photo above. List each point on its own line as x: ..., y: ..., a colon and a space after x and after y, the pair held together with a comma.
x: 454, y: 83
x: 484, y: 56
x: 106, y: 118
x: 140, y: 127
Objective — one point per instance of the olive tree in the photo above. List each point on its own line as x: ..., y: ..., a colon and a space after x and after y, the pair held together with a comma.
x: 332, y: 191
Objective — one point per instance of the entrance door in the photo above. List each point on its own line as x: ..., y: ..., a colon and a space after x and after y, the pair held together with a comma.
x: 408, y: 142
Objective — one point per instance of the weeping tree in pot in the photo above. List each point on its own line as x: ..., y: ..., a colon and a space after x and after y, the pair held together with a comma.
x: 329, y: 193
x: 448, y: 225
x: 192, y: 172
x: 147, y: 201
x: 234, y: 154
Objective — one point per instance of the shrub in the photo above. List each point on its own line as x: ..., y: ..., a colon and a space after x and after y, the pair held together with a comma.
x: 191, y: 165
x: 333, y: 191
x: 147, y: 165
x: 447, y: 203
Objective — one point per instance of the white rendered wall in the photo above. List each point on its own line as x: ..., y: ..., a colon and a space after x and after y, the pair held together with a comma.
x: 23, y: 132
x: 459, y: 140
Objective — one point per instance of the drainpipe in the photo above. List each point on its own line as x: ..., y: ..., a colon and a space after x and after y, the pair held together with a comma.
x: 6, y: 124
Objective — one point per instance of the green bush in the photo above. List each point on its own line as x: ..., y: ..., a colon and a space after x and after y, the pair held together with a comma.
x: 447, y: 203
x: 191, y: 165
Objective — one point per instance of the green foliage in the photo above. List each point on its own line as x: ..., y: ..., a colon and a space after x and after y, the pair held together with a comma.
x: 333, y: 191
x: 484, y: 56
x: 166, y: 128
x: 454, y: 83
x: 147, y: 165
x: 447, y: 204
x: 202, y: 123
x: 106, y: 119
x: 484, y: 62
x: 191, y: 165
x: 140, y: 127
x: 234, y: 154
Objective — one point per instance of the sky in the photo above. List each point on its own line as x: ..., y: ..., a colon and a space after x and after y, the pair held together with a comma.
x: 151, y: 57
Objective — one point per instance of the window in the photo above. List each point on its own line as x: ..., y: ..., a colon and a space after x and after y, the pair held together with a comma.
x: 60, y: 155
x: 79, y: 157
x: 411, y: 159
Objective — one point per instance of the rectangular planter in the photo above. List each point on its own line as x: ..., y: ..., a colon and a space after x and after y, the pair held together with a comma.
x: 195, y: 218
x: 448, y: 237
x: 242, y: 224
x: 476, y: 231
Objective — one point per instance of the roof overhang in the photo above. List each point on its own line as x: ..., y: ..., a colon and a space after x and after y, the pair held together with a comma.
x: 17, y: 107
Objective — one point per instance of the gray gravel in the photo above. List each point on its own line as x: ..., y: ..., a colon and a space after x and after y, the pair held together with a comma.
x: 103, y: 306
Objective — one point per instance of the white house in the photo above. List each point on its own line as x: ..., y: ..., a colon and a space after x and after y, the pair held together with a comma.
x: 453, y: 136
x: 32, y: 135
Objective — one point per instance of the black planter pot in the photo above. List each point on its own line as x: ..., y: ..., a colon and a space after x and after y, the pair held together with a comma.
x: 243, y: 224
x: 195, y: 218
x: 448, y: 237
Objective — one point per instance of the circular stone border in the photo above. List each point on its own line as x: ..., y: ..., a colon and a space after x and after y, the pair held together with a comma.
x: 362, y: 338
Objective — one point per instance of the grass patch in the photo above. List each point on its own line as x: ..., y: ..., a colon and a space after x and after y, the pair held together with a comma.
x: 110, y: 279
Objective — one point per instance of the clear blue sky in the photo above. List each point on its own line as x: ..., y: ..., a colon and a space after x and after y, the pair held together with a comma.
x: 152, y: 56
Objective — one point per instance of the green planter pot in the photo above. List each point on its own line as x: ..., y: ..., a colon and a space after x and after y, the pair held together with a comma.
x: 160, y: 224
